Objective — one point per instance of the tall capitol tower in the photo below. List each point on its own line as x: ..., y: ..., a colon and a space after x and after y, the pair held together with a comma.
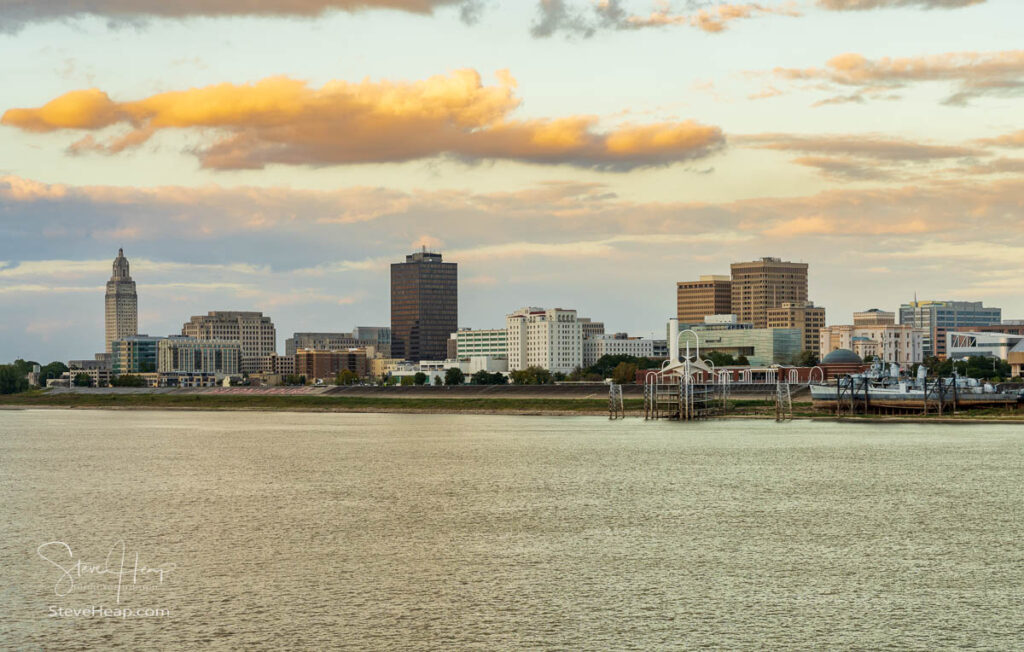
x: 122, y: 304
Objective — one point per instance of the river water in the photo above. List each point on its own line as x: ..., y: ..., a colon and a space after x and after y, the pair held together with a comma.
x: 285, y: 531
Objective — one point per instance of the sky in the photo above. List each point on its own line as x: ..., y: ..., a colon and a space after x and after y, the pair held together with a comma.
x: 277, y: 155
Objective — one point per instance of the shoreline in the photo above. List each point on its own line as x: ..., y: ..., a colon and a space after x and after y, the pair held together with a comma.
x: 557, y: 407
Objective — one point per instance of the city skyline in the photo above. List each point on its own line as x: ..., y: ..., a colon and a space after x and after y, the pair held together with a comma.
x: 586, y: 158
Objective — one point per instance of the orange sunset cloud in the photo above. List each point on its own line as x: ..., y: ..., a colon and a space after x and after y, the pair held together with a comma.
x: 283, y: 120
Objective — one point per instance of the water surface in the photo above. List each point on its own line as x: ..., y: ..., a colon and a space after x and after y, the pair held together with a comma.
x: 450, y: 532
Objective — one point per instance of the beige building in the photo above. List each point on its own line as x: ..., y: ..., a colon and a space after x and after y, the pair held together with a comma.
x: 695, y: 300
x: 901, y: 344
x: 252, y: 330
x: 381, y: 367
x: 121, y: 303
x: 763, y: 284
x: 874, y: 317
x: 803, y: 316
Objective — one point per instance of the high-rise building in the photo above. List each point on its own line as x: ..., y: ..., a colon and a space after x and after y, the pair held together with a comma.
x: 121, y: 303
x: 548, y: 338
x: 424, y: 306
x: 763, y: 284
x: 252, y: 330
x: 695, y: 300
x: 940, y: 317
x: 874, y: 317
x: 804, y: 316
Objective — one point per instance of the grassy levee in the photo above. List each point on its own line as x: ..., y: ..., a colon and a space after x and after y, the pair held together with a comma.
x: 311, y: 403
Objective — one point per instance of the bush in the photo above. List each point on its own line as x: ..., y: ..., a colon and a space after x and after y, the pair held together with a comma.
x: 83, y: 380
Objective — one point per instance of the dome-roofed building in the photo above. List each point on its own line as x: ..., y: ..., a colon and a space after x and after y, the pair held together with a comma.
x: 842, y: 356
x: 842, y: 362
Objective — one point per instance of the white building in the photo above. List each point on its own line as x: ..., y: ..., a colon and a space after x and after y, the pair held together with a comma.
x: 900, y: 344
x: 548, y: 338
x: 491, y: 342
x: 960, y: 346
x: 594, y: 348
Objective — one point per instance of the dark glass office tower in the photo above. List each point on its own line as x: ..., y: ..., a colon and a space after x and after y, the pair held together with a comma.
x: 424, y: 306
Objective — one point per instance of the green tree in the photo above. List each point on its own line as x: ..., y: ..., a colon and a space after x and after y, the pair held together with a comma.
x: 807, y: 359
x: 12, y: 381
x: 742, y: 361
x: 624, y: 373
x: 128, y: 380
x: 408, y: 381
x: 53, y: 370
x: 420, y: 378
x: 532, y: 376
x: 346, y: 377
x: 454, y: 376
x: 487, y: 378
x: 83, y: 380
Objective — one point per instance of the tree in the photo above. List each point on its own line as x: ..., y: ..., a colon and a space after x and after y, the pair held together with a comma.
x: 346, y: 377
x: 531, y: 376
x: 624, y: 373
x: 52, y: 370
x: 128, y: 380
x: 807, y: 359
x: 420, y: 378
x: 83, y: 380
x: 408, y: 381
x: 487, y: 378
x: 742, y: 361
x: 454, y: 376
x: 12, y: 381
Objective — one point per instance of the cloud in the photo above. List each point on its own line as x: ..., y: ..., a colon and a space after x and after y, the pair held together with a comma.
x: 859, y: 157
x: 283, y: 121
x: 1015, y: 139
x: 712, y: 19
x: 15, y: 14
x: 559, y: 16
x: 872, y: 146
x: 975, y: 74
x: 862, y: 5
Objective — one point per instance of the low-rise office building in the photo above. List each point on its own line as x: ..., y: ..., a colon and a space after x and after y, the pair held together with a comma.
x: 963, y: 345
x: 485, y: 342
x: 594, y: 348
x: 760, y: 346
x: 136, y: 354
x: 325, y: 365
x: 187, y: 355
